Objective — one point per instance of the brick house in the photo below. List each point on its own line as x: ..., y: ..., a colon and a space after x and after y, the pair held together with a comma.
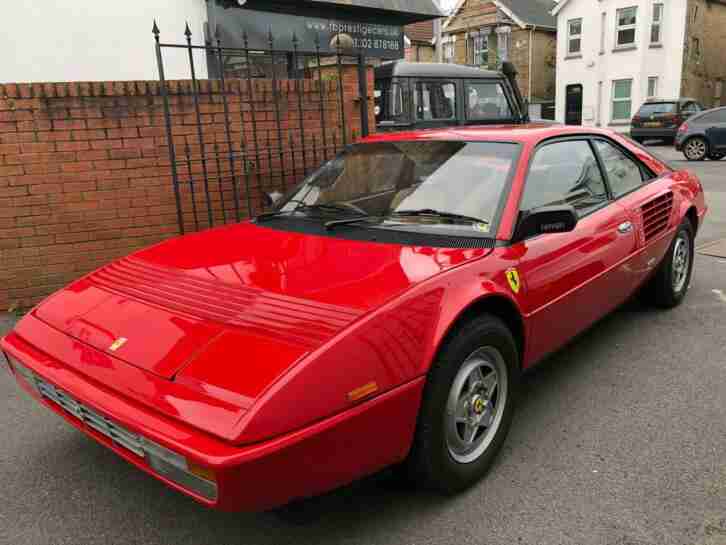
x: 614, y: 55
x: 487, y: 32
x: 420, y: 40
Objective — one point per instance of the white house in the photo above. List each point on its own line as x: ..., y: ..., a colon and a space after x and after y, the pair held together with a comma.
x: 614, y: 54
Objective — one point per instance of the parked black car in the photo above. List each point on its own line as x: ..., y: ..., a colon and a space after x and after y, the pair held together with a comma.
x: 420, y: 95
x: 703, y: 135
x: 660, y: 118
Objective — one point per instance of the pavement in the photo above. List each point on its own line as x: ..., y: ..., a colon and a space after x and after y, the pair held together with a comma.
x: 620, y: 439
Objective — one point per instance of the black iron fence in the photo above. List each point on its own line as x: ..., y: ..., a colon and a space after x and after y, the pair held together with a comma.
x: 260, y: 123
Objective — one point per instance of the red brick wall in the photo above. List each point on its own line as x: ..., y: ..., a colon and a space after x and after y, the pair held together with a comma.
x: 85, y: 172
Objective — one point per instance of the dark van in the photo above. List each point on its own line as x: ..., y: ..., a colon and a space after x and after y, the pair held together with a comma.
x: 417, y: 95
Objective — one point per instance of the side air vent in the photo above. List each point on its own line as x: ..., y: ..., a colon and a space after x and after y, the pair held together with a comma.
x: 656, y: 215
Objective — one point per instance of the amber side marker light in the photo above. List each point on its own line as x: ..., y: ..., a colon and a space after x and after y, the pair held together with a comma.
x: 363, y: 391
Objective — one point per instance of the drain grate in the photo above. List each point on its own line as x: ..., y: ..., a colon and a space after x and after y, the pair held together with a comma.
x: 714, y: 249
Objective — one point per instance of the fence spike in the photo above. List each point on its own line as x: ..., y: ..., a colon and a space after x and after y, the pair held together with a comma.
x: 245, y: 39
x: 294, y: 39
x: 217, y: 33
x: 155, y: 31
x: 270, y: 39
x: 187, y: 31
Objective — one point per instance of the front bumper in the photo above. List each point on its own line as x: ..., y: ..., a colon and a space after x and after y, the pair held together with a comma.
x: 306, y: 462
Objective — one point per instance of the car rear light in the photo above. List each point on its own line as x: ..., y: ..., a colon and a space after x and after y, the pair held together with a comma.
x: 167, y: 463
x: 683, y: 127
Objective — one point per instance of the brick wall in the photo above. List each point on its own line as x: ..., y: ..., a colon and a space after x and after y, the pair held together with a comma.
x: 85, y: 175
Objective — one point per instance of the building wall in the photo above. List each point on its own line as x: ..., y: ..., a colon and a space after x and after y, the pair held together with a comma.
x: 88, y: 40
x: 596, y: 69
x: 704, y: 75
x: 85, y: 175
x: 421, y: 53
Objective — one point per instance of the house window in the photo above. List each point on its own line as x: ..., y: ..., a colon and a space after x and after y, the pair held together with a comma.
x: 574, y: 36
x: 448, y: 51
x: 622, y: 102
x: 652, y: 87
x: 479, y: 47
x: 503, y: 45
x: 696, y: 49
x: 625, y: 27
x: 655, y: 27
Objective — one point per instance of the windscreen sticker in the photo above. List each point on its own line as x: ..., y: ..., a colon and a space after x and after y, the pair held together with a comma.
x: 513, y: 279
x: 482, y: 227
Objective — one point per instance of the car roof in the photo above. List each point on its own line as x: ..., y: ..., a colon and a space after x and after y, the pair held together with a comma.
x: 432, y: 70
x: 527, y: 133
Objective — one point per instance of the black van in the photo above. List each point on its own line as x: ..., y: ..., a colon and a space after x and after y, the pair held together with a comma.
x: 417, y: 95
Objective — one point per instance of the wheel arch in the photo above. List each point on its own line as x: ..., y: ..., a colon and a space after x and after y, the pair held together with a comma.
x: 496, y: 305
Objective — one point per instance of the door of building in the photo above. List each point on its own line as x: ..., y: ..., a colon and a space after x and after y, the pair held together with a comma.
x: 573, y: 105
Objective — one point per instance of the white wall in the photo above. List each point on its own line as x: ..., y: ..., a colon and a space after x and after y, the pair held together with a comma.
x: 95, y: 40
x: 639, y: 64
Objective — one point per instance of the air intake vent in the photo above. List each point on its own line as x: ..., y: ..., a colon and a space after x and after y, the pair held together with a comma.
x: 656, y: 215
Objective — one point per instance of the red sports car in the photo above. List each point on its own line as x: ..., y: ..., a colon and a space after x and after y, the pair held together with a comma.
x: 381, y: 315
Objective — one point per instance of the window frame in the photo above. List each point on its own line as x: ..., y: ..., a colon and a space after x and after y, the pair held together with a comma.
x: 655, y: 87
x: 614, y: 119
x: 620, y: 28
x: 648, y: 175
x: 571, y: 37
x: 448, y: 45
x: 415, y: 82
x: 587, y: 138
x: 479, y: 38
x: 469, y: 82
x: 657, y: 23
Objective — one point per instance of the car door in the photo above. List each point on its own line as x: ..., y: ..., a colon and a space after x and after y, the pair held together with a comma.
x: 572, y: 279
x: 648, y: 199
x: 715, y: 123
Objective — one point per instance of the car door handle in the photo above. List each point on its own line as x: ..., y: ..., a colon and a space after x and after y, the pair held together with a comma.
x: 625, y: 227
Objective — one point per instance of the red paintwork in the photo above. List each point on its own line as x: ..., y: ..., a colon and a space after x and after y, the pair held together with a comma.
x: 244, y: 341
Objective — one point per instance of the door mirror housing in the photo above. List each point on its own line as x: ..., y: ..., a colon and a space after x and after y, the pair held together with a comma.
x: 544, y: 220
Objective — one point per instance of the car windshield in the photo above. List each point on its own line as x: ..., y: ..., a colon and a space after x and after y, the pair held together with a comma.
x: 440, y: 183
x: 647, y: 110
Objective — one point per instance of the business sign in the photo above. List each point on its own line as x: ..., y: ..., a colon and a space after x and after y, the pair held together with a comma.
x: 372, y: 39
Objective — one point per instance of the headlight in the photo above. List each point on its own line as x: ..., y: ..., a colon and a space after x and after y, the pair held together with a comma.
x: 176, y: 468
x: 163, y: 461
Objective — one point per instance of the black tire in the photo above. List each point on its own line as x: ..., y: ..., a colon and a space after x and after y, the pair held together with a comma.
x: 716, y: 156
x: 662, y: 290
x: 695, y: 148
x: 431, y: 463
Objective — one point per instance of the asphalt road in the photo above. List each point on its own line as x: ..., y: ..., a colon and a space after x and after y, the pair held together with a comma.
x: 620, y: 439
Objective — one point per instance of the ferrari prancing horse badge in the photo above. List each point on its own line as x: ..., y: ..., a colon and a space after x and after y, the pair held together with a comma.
x: 513, y: 279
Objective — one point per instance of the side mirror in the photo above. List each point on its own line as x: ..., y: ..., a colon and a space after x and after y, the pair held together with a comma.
x: 548, y: 219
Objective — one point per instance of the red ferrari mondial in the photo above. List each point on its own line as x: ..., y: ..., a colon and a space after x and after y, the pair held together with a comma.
x: 381, y: 315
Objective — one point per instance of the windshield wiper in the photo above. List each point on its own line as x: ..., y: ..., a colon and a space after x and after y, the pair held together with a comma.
x: 303, y: 206
x: 439, y: 214
x: 330, y: 224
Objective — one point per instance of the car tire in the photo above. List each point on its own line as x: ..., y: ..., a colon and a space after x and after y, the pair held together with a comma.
x: 669, y: 286
x: 446, y: 455
x: 695, y: 148
x: 716, y: 156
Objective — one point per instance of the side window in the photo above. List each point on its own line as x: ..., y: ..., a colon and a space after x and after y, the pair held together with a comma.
x: 565, y: 173
x: 690, y: 108
x: 433, y: 100
x: 624, y: 174
x: 486, y: 101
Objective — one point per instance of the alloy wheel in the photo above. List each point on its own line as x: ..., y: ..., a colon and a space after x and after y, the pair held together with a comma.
x: 696, y: 149
x: 476, y: 404
x: 681, y: 262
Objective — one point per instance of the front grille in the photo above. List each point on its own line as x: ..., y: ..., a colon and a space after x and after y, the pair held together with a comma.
x: 118, y: 434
